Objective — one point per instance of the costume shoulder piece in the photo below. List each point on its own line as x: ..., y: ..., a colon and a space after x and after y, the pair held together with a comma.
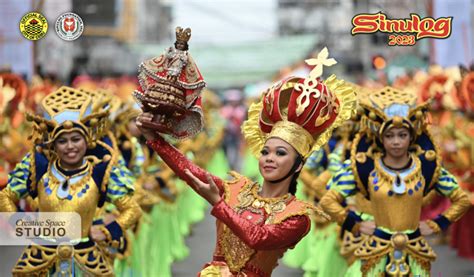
x: 233, y: 187
x: 362, y: 162
x: 299, y: 207
x: 384, y: 109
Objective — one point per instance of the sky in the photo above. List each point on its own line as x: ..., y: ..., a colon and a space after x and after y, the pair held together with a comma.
x: 226, y: 21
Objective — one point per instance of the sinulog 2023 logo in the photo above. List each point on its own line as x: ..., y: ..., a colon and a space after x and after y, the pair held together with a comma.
x: 405, y: 32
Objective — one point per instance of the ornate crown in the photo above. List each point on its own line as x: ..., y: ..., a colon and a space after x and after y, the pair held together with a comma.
x: 67, y: 110
x: 183, y: 35
x: 384, y: 109
x: 301, y: 111
x: 100, y: 98
x: 389, y: 107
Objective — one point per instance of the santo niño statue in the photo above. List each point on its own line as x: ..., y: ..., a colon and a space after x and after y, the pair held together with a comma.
x: 170, y: 88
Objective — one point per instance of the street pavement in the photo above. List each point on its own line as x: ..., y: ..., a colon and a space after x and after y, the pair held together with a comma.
x: 202, y: 240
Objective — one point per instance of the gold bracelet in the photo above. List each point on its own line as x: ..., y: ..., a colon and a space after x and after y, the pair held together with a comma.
x: 435, y: 227
x: 108, y: 236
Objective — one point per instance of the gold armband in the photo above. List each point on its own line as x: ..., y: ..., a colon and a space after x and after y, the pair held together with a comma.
x: 435, y: 227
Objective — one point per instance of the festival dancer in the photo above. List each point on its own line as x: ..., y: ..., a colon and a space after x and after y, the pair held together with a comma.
x: 256, y: 225
x: 71, y: 170
x: 394, y: 163
x: 462, y: 132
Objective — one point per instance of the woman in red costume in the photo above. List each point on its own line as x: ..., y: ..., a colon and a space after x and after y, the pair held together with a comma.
x: 256, y: 225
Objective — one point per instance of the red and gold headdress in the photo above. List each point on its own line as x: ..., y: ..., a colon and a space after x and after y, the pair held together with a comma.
x: 301, y: 111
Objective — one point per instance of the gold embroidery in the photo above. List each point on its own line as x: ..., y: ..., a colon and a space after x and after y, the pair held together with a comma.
x: 236, y: 252
x: 99, y: 266
x: 410, y: 180
x: 249, y: 197
x: 87, y: 171
x: 350, y: 243
x: 37, y: 259
x: 375, y: 248
x: 82, y: 205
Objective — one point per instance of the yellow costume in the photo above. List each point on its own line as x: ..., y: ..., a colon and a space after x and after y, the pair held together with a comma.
x: 81, y: 190
x: 395, y: 195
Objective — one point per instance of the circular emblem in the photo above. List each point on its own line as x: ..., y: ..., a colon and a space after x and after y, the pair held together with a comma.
x: 69, y: 26
x: 33, y: 26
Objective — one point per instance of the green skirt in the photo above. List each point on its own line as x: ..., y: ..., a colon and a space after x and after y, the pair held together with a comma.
x: 324, y: 253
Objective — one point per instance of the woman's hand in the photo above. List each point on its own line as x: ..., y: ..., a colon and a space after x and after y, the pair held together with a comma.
x: 425, y: 229
x: 208, y: 191
x: 109, y: 218
x: 148, y: 133
x: 367, y: 227
x: 96, y: 234
x: 150, y: 186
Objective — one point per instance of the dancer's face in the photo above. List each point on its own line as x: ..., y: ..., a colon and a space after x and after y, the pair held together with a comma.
x: 277, y: 159
x: 70, y: 148
x: 396, y: 142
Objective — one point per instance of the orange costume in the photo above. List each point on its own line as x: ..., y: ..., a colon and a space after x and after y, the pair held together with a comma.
x: 253, y: 232
x: 262, y: 229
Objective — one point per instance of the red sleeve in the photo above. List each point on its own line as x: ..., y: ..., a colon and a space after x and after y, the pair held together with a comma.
x: 263, y: 237
x: 178, y: 163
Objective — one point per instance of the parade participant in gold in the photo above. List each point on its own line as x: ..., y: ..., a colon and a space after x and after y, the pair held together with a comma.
x: 256, y: 225
x: 394, y: 163
x: 71, y: 170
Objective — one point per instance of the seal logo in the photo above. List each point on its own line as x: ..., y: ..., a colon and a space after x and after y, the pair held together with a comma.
x: 33, y: 26
x: 69, y: 26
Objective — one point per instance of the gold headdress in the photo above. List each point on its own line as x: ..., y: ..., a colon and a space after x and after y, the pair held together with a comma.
x: 67, y: 110
x: 301, y: 111
x: 389, y: 107
x: 100, y: 98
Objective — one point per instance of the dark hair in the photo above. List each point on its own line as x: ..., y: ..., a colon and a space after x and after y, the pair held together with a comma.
x: 186, y: 45
x: 294, y: 183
